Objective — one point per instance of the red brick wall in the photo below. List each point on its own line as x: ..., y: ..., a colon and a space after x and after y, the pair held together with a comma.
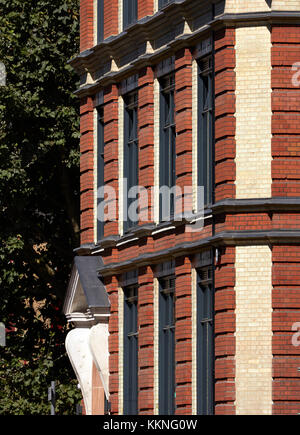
x: 111, y: 284
x: 111, y: 171
x: 224, y: 332
x: 286, y: 112
x: 111, y: 26
x: 286, y: 312
x: 86, y: 24
x: 224, y: 114
x: 183, y: 336
x: 145, y: 7
x: 145, y: 341
x: 146, y: 135
x: 86, y: 170
x: 183, y: 120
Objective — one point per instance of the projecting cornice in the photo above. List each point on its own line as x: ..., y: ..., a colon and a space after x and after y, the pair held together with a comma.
x: 144, y: 42
x: 152, y: 38
x: 256, y: 205
x: 232, y: 206
x: 226, y: 238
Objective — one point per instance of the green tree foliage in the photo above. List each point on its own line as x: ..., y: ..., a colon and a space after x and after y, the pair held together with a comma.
x: 39, y: 158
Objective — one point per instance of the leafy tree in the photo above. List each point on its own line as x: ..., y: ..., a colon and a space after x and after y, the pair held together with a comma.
x: 39, y: 158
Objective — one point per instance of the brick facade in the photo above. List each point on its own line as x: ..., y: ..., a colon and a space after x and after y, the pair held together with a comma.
x: 183, y: 336
x: 253, y: 224
x: 286, y: 312
x: 86, y: 24
x: 225, y: 122
x: 87, y: 170
x: 286, y: 112
x: 224, y: 330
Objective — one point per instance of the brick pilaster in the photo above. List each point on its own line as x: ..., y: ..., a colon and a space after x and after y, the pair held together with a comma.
x: 145, y: 341
x: 183, y: 336
x: 111, y: 18
x: 224, y: 41
x: 146, y: 137
x: 224, y: 332
x: 111, y: 284
x: 111, y: 170
x: 286, y: 111
x: 286, y: 312
x: 86, y: 24
x: 86, y: 170
x: 145, y: 8
x: 183, y: 121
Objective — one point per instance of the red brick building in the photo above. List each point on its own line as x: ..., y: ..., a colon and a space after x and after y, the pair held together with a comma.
x: 194, y: 314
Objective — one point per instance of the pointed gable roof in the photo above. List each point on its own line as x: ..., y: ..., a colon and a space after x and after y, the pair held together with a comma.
x: 86, y: 301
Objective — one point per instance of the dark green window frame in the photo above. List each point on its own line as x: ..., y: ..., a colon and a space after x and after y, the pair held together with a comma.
x: 129, y: 12
x: 100, y: 171
x: 131, y: 152
x: 167, y: 147
x: 162, y: 3
x: 100, y: 19
x: 130, y: 373
x: 205, y: 127
x: 205, y: 341
x: 167, y: 345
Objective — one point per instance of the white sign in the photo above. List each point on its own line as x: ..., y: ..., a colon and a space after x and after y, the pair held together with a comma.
x: 2, y: 74
x: 2, y: 334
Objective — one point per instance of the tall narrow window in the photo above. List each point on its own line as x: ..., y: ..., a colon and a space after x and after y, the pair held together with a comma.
x: 100, y: 20
x: 129, y: 12
x: 167, y: 345
x: 162, y: 3
x: 130, y: 350
x: 205, y: 346
x: 100, y: 172
x: 205, y: 138
x: 131, y: 161
x: 167, y: 153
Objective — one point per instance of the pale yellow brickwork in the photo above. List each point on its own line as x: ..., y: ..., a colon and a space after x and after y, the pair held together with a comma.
x: 194, y: 342
x: 239, y: 6
x: 121, y: 161
x: 253, y: 330
x: 156, y: 346
x: 120, y: 15
x: 95, y: 172
x: 156, y: 150
x: 253, y: 112
x: 286, y: 5
x: 121, y: 348
x: 195, y: 131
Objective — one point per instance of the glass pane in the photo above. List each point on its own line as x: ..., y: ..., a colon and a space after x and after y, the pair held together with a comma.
x: 205, y: 129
